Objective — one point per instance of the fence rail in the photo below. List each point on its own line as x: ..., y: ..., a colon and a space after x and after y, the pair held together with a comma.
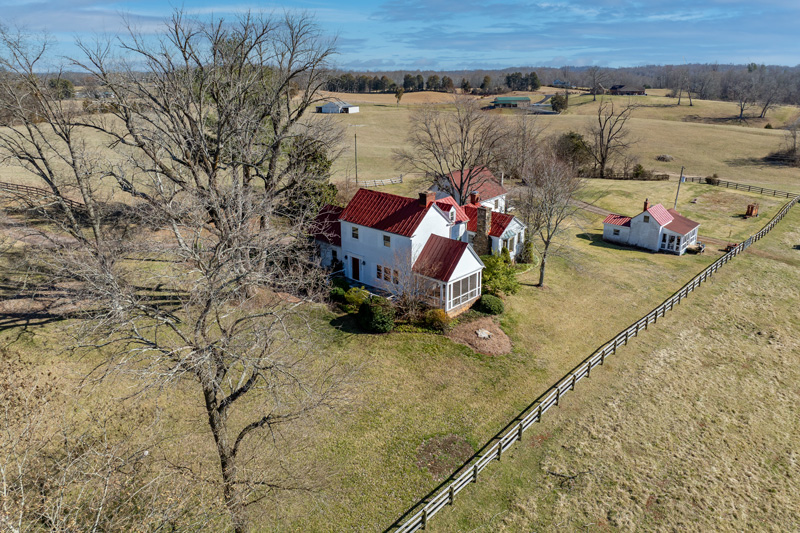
x: 380, y: 183
x: 742, y: 187
x: 494, y: 449
x: 37, y: 191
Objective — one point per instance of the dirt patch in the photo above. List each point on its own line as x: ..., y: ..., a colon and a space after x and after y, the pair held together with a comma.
x: 443, y: 454
x: 497, y: 344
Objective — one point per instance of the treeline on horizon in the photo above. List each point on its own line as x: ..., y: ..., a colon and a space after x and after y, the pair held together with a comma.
x: 768, y: 84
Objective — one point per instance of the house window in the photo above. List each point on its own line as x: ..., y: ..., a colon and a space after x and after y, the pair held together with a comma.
x: 395, y: 277
x: 387, y: 272
x: 379, y: 272
x: 497, y: 204
x: 355, y: 232
x: 646, y: 219
x: 616, y: 232
x: 387, y: 241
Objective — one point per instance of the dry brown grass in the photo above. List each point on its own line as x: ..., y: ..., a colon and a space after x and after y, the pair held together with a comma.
x: 693, y: 427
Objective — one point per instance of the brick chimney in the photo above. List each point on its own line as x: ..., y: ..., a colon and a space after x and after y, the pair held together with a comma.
x: 427, y: 198
x: 481, y: 243
x: 474, y: 197
x: 646, y: 204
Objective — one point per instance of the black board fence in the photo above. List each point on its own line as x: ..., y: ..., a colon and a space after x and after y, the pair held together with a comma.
x: 417, y: 517
x: 742, y: 187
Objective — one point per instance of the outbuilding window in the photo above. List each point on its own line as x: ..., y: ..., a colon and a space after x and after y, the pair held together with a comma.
x: 616, y: 232
x: 354, y: 233
x: 387, y: 241
x: 646, y: 219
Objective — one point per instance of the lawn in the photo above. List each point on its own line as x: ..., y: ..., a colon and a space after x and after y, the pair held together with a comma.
x: 693, y: 426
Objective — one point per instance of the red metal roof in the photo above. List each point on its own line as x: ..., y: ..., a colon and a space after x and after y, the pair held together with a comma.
x: 445, y: 204
x: 617, y: 220
x: 500, y: 221
x: 327, y: 227
x: 660, y: 213
x: 483, y: 182
x: 386, y: 212
x: 439, y: 258
x: 681, y: 224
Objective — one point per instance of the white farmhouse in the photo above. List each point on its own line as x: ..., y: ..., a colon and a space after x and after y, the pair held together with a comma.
x: 490, y: 190
x: 337, y: 106
x: 655, y: 228
x: 394, y: 244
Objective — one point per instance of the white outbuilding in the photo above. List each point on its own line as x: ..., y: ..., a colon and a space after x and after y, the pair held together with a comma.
x: 655, y: 228
x: 337, y: 106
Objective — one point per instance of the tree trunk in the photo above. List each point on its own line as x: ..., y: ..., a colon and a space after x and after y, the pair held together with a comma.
x: 542, y: 265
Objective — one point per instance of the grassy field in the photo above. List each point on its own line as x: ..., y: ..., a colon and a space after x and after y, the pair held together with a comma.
x: 700, y: 138
x: 413, y: 387
x: 693, y: 427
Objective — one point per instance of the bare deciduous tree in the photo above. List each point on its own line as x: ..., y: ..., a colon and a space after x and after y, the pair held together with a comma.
x: 597, y: 77
x: 546, y: 204
x: 609, y: 137
x: 227, y: 315
x: 463, y: 140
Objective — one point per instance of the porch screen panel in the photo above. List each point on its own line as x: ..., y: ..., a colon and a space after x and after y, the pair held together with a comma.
x: 464, y: 290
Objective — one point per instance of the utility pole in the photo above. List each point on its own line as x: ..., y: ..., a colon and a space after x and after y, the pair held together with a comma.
x: 680, y: 180
x: 355, y: 135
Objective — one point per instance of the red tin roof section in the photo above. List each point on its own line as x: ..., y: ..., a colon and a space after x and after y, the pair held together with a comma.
x: 681, y: 224
x: 385, y: 212
x: 327, y: 227
x: 660, y: 213
x: 500, y: 221
x: 483, y: 182
x: 445, y: 204
x: 617, y: 220
x: 439, y: 258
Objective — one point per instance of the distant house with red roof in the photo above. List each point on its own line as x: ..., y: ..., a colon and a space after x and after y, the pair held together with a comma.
x: 478, y: 180
x: 392, y: 242
x: 656, y: 228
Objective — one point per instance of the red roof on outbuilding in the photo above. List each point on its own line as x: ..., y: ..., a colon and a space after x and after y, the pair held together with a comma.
x: 500, y: 221
x: 385, y: 212
x: 681, y: 224
x: 439, y: 258
x: 617, y: 220
x: 327, y: 227
x: 483, y: 182
x: 660, y: 213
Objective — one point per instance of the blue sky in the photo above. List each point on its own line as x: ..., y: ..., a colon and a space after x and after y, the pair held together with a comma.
x: 440, y: 34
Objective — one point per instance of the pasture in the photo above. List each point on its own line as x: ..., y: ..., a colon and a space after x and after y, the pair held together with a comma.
x: 414, y: 388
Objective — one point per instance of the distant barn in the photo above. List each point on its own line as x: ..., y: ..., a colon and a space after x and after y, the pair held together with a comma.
x: 337, y: 107
x: 627, y: 90
x: 511, y: 101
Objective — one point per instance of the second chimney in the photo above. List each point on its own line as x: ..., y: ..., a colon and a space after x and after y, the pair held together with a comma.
x: 426, y: 198
x: 474, y: 197
x: 646, y: 205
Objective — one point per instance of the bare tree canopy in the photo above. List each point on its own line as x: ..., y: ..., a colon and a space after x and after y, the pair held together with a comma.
x: 199, y: 150
x: 462, y: 140
x: 609, y: 135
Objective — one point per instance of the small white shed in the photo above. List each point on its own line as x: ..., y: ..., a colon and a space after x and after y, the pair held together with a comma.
x: 337, y: 107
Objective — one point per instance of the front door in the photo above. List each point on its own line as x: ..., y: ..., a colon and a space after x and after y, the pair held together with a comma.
x: 354, y: 271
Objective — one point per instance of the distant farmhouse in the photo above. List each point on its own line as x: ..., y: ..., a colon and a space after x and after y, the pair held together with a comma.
x: 627, y: 90
x: 655, y: 228
x: 511, y: 101
x: 389, y: 243
x: 337, y: 106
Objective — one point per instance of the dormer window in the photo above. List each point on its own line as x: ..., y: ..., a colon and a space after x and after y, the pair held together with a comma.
x: 646, y: 219
x: 497, y: 205
x: 452, y: 215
